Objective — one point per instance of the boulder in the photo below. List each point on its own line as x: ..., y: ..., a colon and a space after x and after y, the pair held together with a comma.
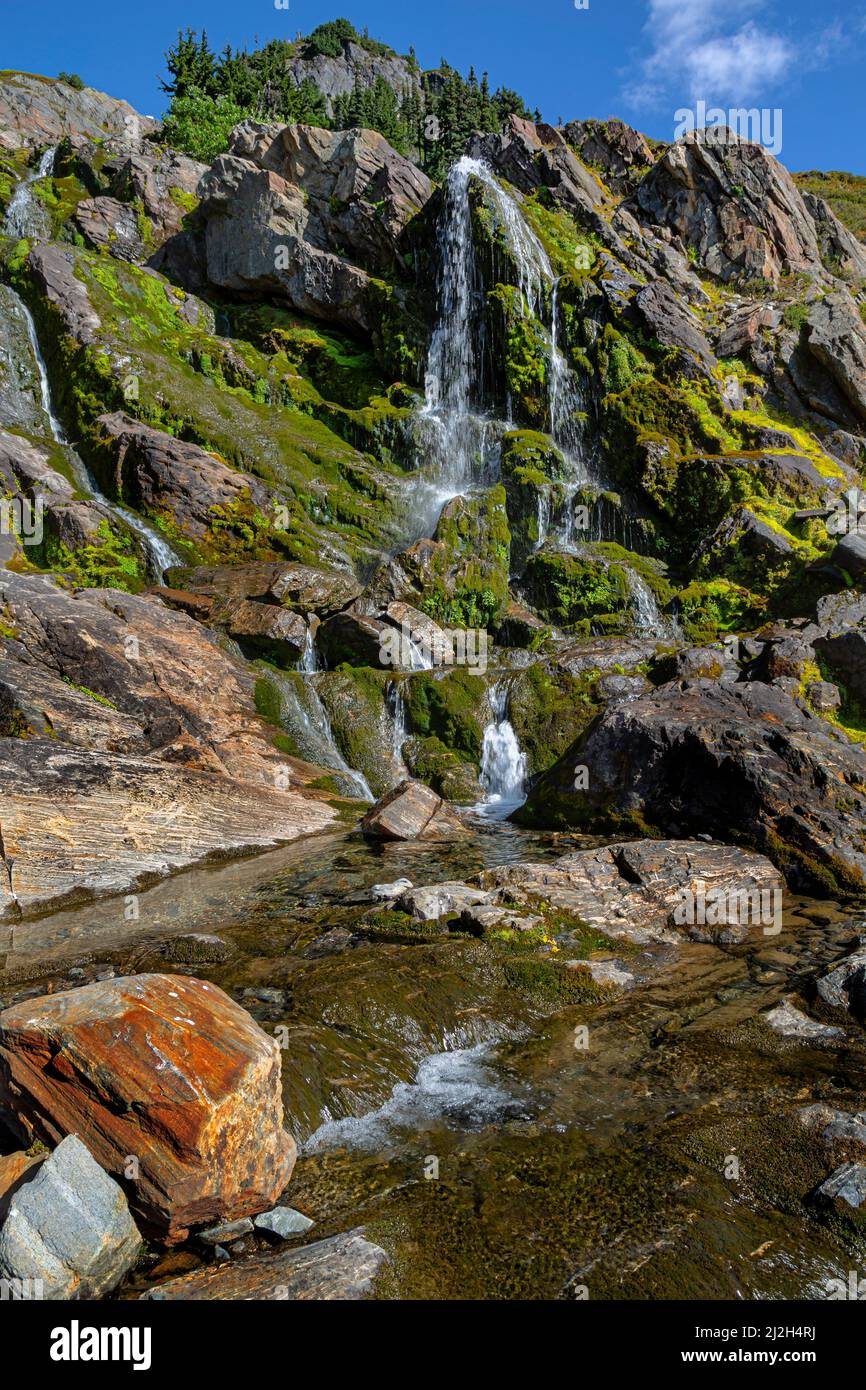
x: 354, y: 638
x: 791, y: 1022
x: 68, y: 1226
x: 268, y: 631
x: 652, y: 890
x: 844, y: 987
x: 439, y: 900
x: 166, y: 1069
x: 412, y: 812
x: 343, y: 1267
x: 737, y: 761
x: 283, y: 1222
x: 107, y: 224
x: 845, y: 1192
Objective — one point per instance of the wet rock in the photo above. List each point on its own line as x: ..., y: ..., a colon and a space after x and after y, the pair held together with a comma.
x: 155, y: 470
x: 80, y: 823
x: 484, y: 917
x: 845, y: 987
x: 791, y: 1022
x: 196, y: 948
x: 652, y: 890
x: 69, y: 1226
x: 274, y: 633
x: 344, y: 1267
x: 606, y: 972
x: 843, y: 1133
x: 283, y: 1222
x: 412, y: 812
x: 331, y: 943
x: 167, y: 1069
x: 386, y: 891
x: 845, y: 1192
x: 439, y: 900
x: 354, y: 638
x: 721, y: 758
x: 226, y: 1232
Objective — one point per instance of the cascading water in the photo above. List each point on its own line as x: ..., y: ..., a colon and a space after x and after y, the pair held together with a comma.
x: 26, y: 216
x: 20, y: 220
x: 397, y: 706
x: 454, y: 431
x: 303, y: 715
x: 503, y: 765
x: 649, y: 621
x: 309, y: 661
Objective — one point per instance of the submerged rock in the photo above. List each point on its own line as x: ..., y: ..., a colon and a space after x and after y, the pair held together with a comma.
x: 845, y: 1192
x: 69, y: 1227
x: 412, y: 812
x: 845, y: 987
x: 283, y: 1222
x: 791, y: 1022
x: 343, y: 1267
x: 167, y: 1069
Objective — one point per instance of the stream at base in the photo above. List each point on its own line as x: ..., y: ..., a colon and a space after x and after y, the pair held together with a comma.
x: 460, y: 1122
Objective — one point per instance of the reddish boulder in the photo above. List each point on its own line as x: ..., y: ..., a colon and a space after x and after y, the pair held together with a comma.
x: 163, y: 1076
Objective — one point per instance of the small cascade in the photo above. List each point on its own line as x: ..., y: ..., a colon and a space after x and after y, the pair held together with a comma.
x: 649, y: 621
x: 503, y: 765
x: 303, y: 715
x: 26, y: 217
x: 309, y: 661
x: 21, y: 220
x: 397, y: 708
x: 542, y: 518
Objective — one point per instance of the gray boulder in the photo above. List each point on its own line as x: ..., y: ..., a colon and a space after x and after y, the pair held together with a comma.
x: 69, y: 1226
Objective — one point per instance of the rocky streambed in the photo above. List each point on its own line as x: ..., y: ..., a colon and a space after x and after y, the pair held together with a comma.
x: 510, y: 1099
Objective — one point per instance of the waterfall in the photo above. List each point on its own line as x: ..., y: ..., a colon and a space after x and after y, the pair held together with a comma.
x: 309, y: 661
x: 161, y: 556
x: 25, y: 216
x: 303, y: 715
x: 397, y: 706
x: 21, y: 220
x: 503, y: 765
x: 649, y: 621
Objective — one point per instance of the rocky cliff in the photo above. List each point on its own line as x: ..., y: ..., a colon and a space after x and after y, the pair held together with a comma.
x: 598, y: 402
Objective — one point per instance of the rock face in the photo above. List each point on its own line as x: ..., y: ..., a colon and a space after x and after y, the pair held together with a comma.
x: 836, y: 337
x: 737, y: 761
x: 165, y: 1069
x: 344, y: 1267
x: 307, y: 214
x: 69, y: 1227
x: 356, y: 66
x: 735, y: 205
x: 412, y: 812
x: 623, y: 153
x: 38, y: 113
x: 654, y: 890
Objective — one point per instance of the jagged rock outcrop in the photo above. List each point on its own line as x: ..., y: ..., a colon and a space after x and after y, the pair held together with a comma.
x: 735, y: 206
x: 309, y: 215
x: 836, y: 337
x: 356, y: 66
x: 163, y: 1068
x: 622, y: 153
x: 36, y: 112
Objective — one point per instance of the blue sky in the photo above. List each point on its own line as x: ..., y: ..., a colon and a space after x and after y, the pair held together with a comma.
x: 638, y: 59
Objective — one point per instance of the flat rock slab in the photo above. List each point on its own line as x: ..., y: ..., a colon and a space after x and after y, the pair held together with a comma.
x: 653, y: 890
x: 343, y: 1267
x: 166, y: 1070
x: 85, y: 823
x: 69, y: 1227
x: 412, y: 812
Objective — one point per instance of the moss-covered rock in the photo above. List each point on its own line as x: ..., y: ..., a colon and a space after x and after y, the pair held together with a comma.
x: 452, y: 706
x: 451, y: 776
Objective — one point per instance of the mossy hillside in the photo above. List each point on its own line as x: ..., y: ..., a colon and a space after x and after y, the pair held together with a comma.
x: 450, y: 706
x: 548, y: 708
x: 13, y: 168
x: 186, y: 382
x: 60, y: 196
x: 464, y: 578
x: 519, y: 353
x: 445, y: 771
x: 712, y: 608
x: 779, y: 573
x: 590, y: 592
x: 533, y: 471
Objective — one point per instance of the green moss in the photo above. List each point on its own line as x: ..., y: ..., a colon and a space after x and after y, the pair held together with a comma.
x: 552, y: 983
x: 112, y: 561
x: 451, y: 707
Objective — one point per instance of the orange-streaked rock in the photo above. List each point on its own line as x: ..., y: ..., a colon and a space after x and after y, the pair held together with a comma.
x: 162, y: 1069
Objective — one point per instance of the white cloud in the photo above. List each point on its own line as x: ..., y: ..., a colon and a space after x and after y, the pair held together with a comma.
x: 723, y: 53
